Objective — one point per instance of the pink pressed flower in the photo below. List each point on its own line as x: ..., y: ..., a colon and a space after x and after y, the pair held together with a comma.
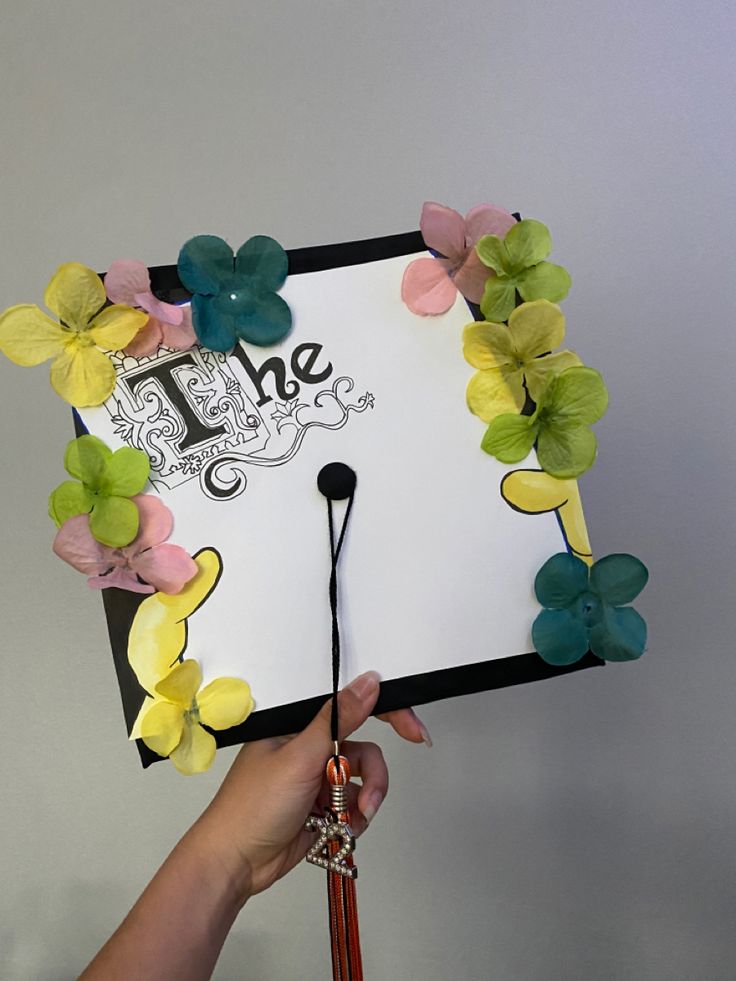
x: 430, y: 285
x: 128, y: 281
x: 166, y: 568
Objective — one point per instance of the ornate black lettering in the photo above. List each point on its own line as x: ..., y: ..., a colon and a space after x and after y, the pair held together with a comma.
x: 284, y: 389
x: 195, y: 431
x: 304, y: 371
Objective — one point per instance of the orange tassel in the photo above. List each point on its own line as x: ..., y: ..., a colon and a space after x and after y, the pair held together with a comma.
x: 334, y: 851
x: 347, y: 963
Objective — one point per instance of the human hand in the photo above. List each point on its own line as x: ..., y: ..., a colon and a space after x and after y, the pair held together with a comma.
x: 254, y: 826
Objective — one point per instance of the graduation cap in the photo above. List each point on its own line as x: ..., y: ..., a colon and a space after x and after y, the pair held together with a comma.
x: 292, y: 467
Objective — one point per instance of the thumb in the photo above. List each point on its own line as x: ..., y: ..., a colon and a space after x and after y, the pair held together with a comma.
x: 354, y: 704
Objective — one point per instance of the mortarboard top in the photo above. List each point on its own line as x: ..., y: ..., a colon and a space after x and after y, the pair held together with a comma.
x: 395, y: 357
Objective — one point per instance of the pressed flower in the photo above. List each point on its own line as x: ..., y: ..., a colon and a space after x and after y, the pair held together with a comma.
x: 586, y: 609
x: 105, y: 482
x: 514, y: 359
x: 566, y: 446
x: 518, y: 263
x: 234, y: 295
x: 81, y: 373
x: 128, y: 281
x: 430, y: 285
x: 171, y: 722
x: 161, y: 566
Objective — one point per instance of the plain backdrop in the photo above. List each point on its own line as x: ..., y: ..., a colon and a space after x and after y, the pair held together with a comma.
x: 596, y: 836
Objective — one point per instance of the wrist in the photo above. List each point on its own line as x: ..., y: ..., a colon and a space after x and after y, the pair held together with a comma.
x: 228, y: 871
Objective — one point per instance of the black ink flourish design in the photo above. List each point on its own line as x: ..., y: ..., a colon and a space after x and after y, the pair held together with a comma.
x: 224, y: 476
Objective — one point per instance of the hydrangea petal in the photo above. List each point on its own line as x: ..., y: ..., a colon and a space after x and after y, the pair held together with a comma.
x: 162, y: 727
x: 443, y: 230
x: 213, y: 327
x: 559, y: 638
x: 560, y: 581
x: 499, y: 299
x: 487, y: 219
x: 205, y: 263
x: 621, y: 635
x: 181, y: 684
x: 225, y: 702
x: 146, y: 341
x: 470, y: 278
x: 487, y: 345
x: 577, y: 395
x: 537, y: 372
x: 83, y: 376
x: 536, y: 328
x: 195, y: 751
x: 124, y: 279
x: 510, y: 438
x: 618, y: 578
x: 566, y: 451
x: 167, y: 567
x: 68, y: 500
x: 181, y: 336
x: 269, y: 323
x: 120, y: 579
x: 28, y: 336
x: 75, y: 544
x: 75, y: 294
x: 116, y: 326
x: 264, y: 258
x: 492, y: 252
x: 126, y: 472
x: 544, y: 281
x: 527, y: 243
x: 494, y: 392
x: 86, y: 458
x: 168, y: 313
x: 426, y: 287
x: 155, y: 522
x: 114, y: 521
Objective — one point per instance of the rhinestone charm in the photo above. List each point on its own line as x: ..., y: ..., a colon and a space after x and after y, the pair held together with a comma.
x: 320, y: 854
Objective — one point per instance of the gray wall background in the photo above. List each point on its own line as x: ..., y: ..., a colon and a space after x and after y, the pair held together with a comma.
x: 598, y: 811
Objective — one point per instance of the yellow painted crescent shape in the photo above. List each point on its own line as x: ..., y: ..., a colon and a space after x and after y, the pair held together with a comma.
x: 158, y: 634
x: 536, y: 492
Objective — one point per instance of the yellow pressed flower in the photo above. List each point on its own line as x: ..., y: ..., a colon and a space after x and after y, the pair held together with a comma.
x: 81, y: 373
x: 170, y: 723
x: 514, y: 359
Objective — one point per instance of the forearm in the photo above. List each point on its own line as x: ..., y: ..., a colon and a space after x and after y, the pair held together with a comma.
x: 179, y: 924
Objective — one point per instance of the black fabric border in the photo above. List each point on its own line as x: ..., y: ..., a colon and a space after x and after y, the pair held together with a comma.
x: 166, y: 284
x: 120, y: 605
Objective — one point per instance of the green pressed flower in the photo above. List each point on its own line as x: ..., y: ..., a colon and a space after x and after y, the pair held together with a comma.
x: 585, y: 609
x: 566, y: 447
x: 105, y: 482
x: 518, y: 263
x: 509, y: 358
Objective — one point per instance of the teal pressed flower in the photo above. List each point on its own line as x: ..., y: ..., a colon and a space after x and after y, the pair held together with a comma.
x: 105, y: 482
x: 586, y: 609
x: 566, y: 446
x: 518, y: 262
x: 234, y: 296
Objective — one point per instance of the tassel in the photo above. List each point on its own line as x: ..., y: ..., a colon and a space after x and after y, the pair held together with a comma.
x: 347, y: 964
x: 333, y: 851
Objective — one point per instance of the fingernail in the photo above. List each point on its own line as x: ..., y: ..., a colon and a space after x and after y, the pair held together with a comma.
x: 426, y: 738
x: 371, y: 808
x: 365, y: 684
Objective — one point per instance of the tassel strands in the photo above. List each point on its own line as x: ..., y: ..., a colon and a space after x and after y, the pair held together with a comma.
x: 333, y: 849
x: 347, y: 964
